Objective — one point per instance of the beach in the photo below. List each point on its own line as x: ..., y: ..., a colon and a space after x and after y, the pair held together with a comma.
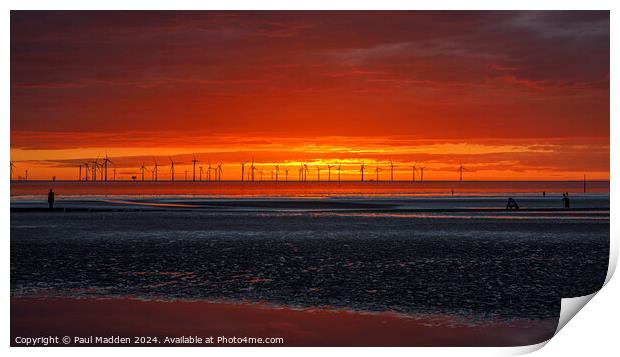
x: 136, y: 318
x: 388, y: 270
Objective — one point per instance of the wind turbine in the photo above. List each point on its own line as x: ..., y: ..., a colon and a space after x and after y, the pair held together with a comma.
x: 101, y: 172
x: 155, y: 169
x: 194, y: 161
x: 377, y: 169
x: 318, y: 172
x: 142, y: 169
x: 200, y: 167
x: 106, y: 160
x: 460, y: 170
x: 422, y: 173
x: 79, y: 175
x: 277, y: 171
x: 219, y: 171
x: 252, y: 169
x: 86, y: 171
x: 391, y: 171
x: 261, y: 174
x: 329, y: 172
x: 93, y: 171
x: 286, y: 173
x: 172, y: 168
x: 362, y: 170
x: 209, y: 171
x: 242, y: 170
x: 414, y: 169
x: 12, y: 167
x: 114, y: 174
x: 305, y: 171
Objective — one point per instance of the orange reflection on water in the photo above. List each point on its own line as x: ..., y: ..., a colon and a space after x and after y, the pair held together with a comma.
x: 303, y: 189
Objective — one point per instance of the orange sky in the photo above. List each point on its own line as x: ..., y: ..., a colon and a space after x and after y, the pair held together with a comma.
x: 510, y: 95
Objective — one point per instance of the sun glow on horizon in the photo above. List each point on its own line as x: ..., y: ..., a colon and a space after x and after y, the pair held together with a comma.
x: 484, y: 160
x: 346, y: 87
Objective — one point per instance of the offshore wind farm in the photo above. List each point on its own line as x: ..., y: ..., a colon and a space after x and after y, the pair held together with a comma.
x: 272, y: 179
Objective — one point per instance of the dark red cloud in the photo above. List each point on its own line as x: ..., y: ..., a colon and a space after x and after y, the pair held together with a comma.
x: 429, y: 74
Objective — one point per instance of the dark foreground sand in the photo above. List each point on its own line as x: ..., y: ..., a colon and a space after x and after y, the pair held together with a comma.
x: 33, y: 317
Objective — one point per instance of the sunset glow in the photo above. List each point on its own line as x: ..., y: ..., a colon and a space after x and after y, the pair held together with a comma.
x: 509, y: 95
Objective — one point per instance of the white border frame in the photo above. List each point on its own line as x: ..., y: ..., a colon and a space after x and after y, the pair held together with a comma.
x: 593, y: 329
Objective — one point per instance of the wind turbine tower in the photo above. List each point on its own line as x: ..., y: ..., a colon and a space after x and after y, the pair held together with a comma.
x: 155, y: 170
x: 101, y: 172
x: 93, y: 171
x: 142, y: 169
x: 86, y: 171
x: 106, y: 160
x: 172, y: 168
x: 219, y: 171
x: 460, y: 170
x: 252, y: 169
x: 362, y: 171
x: 194, y: 161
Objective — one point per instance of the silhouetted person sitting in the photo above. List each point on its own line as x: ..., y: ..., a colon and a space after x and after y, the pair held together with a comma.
x: 50, y: 198
x: 566, y: 200
x: 512, y: 204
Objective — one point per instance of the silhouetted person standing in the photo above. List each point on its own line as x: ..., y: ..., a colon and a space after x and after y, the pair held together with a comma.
x: 566, y: 200
x: 50, y: 199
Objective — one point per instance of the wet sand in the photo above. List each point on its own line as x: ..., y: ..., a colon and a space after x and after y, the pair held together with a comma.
x: 33, y: 317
